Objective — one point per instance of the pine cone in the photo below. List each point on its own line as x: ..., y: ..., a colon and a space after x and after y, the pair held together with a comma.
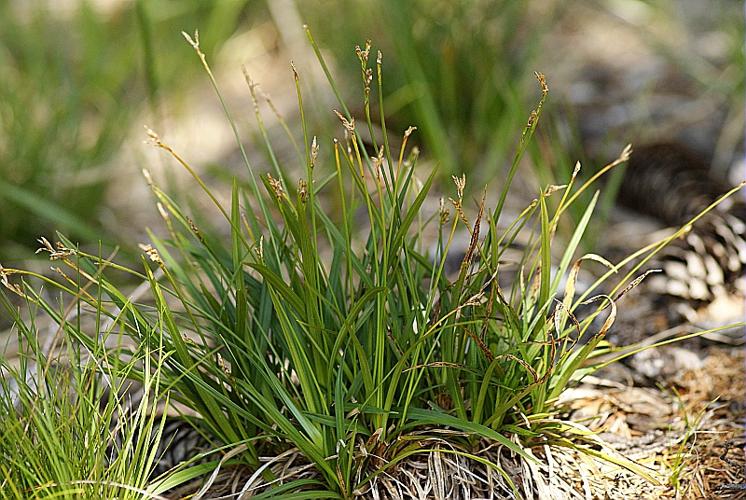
x: 673, y: 184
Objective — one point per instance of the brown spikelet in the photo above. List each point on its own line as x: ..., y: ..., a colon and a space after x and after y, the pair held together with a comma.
x: 349, y: 125
x: 459, y: 211
x: 195, y: 229
x: 469, y: 256
x: 482, y: 346
x: 151, y: 252
x: 635, y: 282
x: 276, y: 186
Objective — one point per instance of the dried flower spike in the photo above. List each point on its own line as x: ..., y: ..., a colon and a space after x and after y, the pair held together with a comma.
x: 349, y: 125
x: 59, y: 251
x: 460, y: 183
x: 303, y: 190
x: 445, y: 214
x: 314, y: 151
x: 542, y: 82
x: 195, y: 229
x: 152, y: 253
x: 276, y: 186
x: 363, y: 54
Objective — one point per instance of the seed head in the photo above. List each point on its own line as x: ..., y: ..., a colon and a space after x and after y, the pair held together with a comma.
x: 303, y: 190
x: 445, y: 214
x: 276, y: 186
x: 460, y: 184
x: 152, y: 253
x: 349, y: 125
x: 314, y: 151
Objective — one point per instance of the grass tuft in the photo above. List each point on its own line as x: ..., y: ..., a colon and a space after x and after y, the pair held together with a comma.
x: 70, y: 428
x: 337, y: 336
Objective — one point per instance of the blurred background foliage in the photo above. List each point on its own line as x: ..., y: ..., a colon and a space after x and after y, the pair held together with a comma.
x: 78, y: 76
x: 462, y: 71
x: 74, y: 76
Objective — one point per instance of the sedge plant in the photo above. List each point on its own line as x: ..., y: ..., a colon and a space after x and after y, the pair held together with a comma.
x: 335, y: 336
